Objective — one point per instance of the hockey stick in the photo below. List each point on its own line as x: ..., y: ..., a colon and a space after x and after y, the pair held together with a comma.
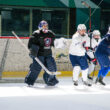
x: 40, y: 63
x: 94, y: 11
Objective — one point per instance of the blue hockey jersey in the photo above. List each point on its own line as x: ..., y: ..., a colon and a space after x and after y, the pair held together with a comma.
x: 104, y: 46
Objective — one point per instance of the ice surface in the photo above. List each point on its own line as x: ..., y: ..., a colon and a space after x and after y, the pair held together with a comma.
x: 64, y: 96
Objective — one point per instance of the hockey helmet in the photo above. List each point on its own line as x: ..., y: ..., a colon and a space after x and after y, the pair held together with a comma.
x: 81, y: 27
x: 96, y: 33
x: 42, y: 23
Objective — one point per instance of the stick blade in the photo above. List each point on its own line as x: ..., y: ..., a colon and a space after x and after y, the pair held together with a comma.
x: 56, y: 73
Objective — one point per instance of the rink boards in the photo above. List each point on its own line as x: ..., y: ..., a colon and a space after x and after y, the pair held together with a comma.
x: 15, y: 61
x: 23, y: 74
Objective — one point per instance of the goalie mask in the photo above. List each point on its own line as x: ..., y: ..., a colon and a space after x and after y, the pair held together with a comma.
x: 43, y: 25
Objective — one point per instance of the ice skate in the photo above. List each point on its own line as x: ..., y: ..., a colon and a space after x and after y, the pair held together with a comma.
x: 75, y: 83
x: 89, y: 77
x: 100, y: 80
x: 87, y: 83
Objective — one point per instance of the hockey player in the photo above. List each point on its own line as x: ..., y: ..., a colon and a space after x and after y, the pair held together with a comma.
x: 102, y: 54
x: 40, y: 45
x: 77, y: 54
x: 95, y: 40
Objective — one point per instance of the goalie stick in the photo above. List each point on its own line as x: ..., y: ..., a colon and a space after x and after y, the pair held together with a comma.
x: 40, y: 63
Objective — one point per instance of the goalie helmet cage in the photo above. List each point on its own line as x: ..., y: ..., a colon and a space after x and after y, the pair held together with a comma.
x: 15, y: 61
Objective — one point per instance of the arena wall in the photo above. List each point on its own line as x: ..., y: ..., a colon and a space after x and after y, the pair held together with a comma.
x: 17, y: 60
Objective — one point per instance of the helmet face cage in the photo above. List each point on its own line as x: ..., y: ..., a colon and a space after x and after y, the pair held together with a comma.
x: 81, y: 29
x: 41, y: 24
x: 96, y: 34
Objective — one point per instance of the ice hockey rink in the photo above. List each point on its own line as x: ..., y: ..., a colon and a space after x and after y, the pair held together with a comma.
x: 64, y: 96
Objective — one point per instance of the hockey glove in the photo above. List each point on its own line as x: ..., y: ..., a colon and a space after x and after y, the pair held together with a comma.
x: 89, y: 49
x: 94, y: 61
x: 34, y: 50
x: 84, y: 44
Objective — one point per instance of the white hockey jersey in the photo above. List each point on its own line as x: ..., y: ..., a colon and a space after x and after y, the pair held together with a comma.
x: 76, y: 47
x: 94, y: 44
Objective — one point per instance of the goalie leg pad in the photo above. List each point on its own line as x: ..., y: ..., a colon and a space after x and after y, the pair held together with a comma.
x: 35, y: 69
x: 50, y: 63
x: 50, y: 80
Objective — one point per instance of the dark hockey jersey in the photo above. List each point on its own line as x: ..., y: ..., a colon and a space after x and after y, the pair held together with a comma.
x: 44, y: 40
x: 104, y: 46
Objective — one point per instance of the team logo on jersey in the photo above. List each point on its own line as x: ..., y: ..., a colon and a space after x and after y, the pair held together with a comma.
x: 47, y: 41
